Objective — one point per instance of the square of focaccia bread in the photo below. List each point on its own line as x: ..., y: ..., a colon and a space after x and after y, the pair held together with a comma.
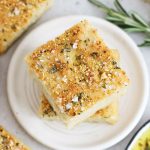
x: 108, y: 114
x: 9, y: 142
x: 78, y: 73
x: 16, y: 16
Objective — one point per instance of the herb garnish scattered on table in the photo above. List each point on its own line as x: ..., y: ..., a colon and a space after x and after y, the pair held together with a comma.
x: 129, y: 21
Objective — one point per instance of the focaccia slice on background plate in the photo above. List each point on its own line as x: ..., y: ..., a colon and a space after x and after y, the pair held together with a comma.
x: 9, y: 142
x: 16, y: 16
x: 77, y: 73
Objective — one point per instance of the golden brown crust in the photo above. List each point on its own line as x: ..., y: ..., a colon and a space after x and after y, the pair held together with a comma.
x: 77, y: 69
x: 15, y: 16
x: 9, y: 142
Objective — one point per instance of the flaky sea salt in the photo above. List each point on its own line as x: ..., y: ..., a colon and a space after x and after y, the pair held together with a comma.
x: 68, y: 106
x: 16, y: 11
x: 58, y: 86
x: 53, y: 51
x: 110, y: 87
x: 65, y: 79
x: 75, y: 99
x: 56, y: 59
x: 75, y: 45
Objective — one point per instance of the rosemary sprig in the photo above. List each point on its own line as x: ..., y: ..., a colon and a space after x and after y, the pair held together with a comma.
x: 145, y: 43
x: 130, y: 22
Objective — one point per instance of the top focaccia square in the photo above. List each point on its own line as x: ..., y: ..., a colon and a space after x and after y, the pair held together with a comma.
x: 16, y: 16
x: 78, y: 71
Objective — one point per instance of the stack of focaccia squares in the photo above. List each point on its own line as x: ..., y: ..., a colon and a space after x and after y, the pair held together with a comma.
x: 80, y: 77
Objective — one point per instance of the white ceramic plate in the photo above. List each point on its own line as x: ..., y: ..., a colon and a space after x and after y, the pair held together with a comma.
x: 24, y: 94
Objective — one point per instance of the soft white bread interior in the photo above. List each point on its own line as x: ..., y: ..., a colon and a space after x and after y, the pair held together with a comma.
x: 109, y: 114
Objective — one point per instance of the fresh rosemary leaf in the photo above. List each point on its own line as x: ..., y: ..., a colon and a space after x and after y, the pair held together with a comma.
x: 134, y: 30
x: 130, y: 22
x: 115, y: 20
x: 139, y: 19
x: 147, y: 40
x: 120, y: 8
x: 145, y: 43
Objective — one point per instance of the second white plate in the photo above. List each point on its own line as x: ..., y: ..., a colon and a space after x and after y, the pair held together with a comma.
x: 24, y: 94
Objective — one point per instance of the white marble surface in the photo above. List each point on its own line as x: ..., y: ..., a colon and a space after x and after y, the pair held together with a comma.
x: 62, y: 8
